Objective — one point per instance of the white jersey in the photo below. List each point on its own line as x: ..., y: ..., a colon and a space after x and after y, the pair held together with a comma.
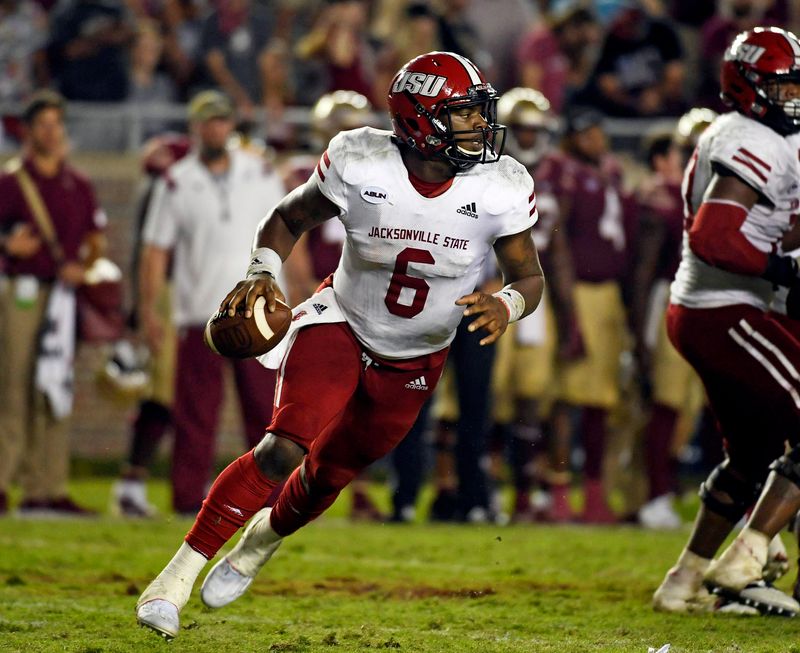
x: 209, y: 222
x: 407, y: 258
x: 767, y: 162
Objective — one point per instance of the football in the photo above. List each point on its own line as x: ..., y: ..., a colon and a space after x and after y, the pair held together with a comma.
x: 241, y: 337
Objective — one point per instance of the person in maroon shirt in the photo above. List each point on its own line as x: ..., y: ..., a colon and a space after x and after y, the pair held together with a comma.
x: 669, y: 385
x: 598, y: 220
x: 33, y: 441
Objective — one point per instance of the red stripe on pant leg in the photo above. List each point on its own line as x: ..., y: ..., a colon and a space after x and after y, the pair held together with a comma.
x: 239, y: 492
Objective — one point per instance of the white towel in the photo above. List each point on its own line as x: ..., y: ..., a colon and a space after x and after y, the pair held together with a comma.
x: 320, y: 308
x: 55, y: 362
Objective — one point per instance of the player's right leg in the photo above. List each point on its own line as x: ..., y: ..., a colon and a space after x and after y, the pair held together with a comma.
x: 377, y: 417
x: 744, y: 360
x: 318, y: 376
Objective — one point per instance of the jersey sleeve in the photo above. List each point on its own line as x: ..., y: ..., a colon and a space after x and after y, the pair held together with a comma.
x: 522, y: 214
x: 329, y: 172
x: 754, y: 157
x: 161, y: 223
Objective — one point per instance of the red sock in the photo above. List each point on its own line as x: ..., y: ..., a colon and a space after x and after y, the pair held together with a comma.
x: 296, y: 507
x: 240, y: 491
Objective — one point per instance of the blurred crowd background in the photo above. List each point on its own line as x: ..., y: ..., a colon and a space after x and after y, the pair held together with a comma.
x: 616, y: 81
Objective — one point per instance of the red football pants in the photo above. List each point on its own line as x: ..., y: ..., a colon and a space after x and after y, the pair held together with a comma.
x: 347, y: 408
x: 748, y: 362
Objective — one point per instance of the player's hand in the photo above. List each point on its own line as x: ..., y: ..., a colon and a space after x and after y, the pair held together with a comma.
x: 246, y: 292
x: 493, y: 314
x: 22, y: 242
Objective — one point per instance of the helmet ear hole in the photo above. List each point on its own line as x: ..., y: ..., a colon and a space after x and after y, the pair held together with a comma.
x: 413, y: 124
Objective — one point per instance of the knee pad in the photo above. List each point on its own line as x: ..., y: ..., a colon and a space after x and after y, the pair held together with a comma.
x: 788, y: 465
x: 743, y: 493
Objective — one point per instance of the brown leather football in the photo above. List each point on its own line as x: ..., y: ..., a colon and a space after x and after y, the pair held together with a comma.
x: 241, y: 337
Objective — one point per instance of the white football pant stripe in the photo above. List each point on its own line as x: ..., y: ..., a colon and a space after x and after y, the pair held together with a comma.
x: 767, y: 365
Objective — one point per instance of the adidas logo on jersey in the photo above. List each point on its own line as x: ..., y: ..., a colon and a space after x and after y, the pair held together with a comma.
x: 470, y: 210
x: 319, y: 308
x: 418, y: 384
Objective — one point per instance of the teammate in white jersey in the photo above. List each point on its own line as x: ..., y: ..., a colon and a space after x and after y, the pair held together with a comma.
x: 422, y: 207
x: 742, y: 191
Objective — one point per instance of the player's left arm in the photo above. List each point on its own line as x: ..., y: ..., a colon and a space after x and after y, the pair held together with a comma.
x: 522, y: 274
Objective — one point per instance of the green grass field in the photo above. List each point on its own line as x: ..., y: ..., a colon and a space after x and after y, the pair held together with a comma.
x: 336, y: 586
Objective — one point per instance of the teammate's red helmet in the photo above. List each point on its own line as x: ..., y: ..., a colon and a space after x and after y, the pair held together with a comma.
x: 756, y: 66
x: 421, y: 97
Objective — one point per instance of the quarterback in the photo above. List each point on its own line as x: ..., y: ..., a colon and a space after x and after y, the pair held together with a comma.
x: 741, y: 195
x: 422, y: 207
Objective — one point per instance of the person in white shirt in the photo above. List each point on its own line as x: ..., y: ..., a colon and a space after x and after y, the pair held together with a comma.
x: 422, y: 206
x: 202, y: 216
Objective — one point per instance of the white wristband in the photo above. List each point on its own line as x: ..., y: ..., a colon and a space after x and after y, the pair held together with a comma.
x: 264, y: 260
x: 513, y: 301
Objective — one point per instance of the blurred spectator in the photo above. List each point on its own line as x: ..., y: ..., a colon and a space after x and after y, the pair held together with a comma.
x: 500, y: 24
x: 598, y: 220
x: 234, y: 47
x: 37, y: 334
x: 205, y: 210
x: 23, y: 59
x: 183, y: 22
x: 524, y: 371
x: 148, y: 86
x: 734, y: 16
x: 337, y: 53
x: 556, y: 57
x: 639, y: 71
x: 405, y: 32
x: 88, y: 49
x: 458, y: 34
x: 154, y: 411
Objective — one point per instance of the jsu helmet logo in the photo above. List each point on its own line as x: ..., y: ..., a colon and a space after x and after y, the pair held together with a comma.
x: 419, y: 84
x: 746, y: 53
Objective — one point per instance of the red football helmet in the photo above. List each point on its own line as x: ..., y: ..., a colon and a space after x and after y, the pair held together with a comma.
x: 756, y: 66
x: 421, y: 97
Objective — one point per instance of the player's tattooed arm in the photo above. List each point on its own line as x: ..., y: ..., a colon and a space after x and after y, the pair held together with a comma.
x: 300, y: 211
x: 519, y: 263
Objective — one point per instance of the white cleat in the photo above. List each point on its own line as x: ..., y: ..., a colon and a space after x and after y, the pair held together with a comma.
x: 777, y: 560
x: 223, y: 585
x: 231, y: 576
x: 682, y: 591
x: 160, y: 616
x: 737, y: 576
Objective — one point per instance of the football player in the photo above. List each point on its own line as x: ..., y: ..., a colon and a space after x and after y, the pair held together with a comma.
x: 596, y: 218
x: 741, y: 193
x: 422, y: 205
